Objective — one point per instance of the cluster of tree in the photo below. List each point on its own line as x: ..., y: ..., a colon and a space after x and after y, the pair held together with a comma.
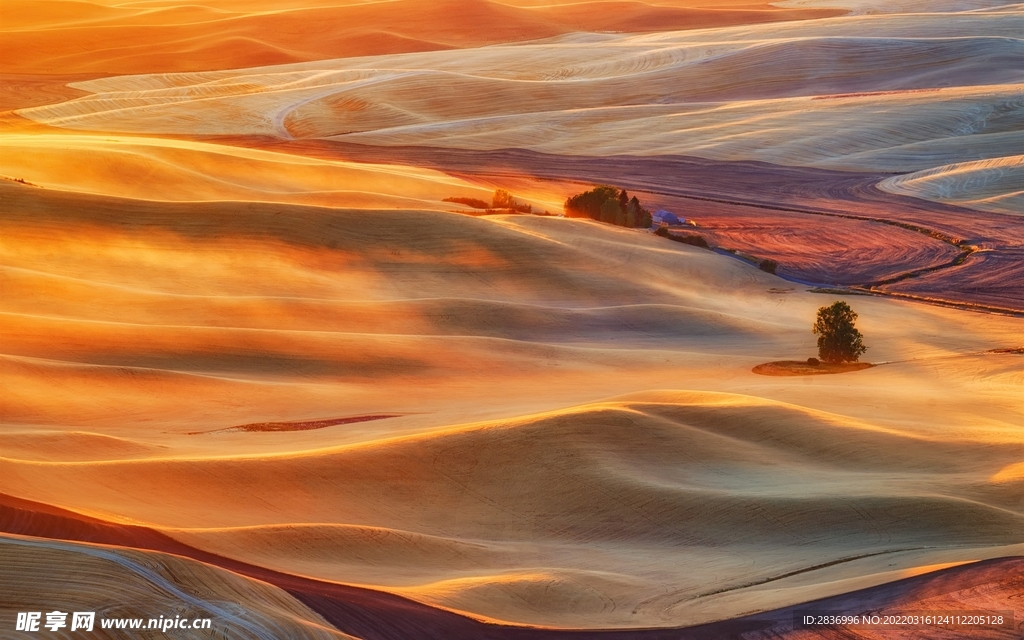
x: 838, y: 338
x: 608, y: 204
x: 503, y: 200
x: 694, y: 239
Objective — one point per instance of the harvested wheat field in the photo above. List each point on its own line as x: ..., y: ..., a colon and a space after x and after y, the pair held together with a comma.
x: 273, y: 358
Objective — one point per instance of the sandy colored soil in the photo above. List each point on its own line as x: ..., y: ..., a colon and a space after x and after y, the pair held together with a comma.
x: 18, y: 91
x: 991, y: 185
x: 147, y: 585
x: 892, y: 93
x: 196, y: 171
x: 733, y: 93
x: 252, y: 362
x: 925, y: 92
x: 904, y: 6
x: 65, y: 36
x: 802, y: 368
x: 280, y: 603
x: 507, y: 345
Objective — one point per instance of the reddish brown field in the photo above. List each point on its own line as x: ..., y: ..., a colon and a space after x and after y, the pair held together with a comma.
x: 993, y: 277
x: 305, y: 425
x: 802, y: 368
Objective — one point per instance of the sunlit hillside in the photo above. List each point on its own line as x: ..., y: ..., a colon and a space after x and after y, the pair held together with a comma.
x: 889, y: 93
x: 272, y: 352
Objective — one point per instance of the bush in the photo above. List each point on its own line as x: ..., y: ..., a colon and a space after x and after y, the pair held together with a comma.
x: 503, y: 200
x: 768, y: 266
x: 814, y: 362
x: 838, y: 338
x: 469, y: 202
x: 691, y: 239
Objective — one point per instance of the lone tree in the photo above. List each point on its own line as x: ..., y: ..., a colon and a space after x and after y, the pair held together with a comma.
x: 838, y: 339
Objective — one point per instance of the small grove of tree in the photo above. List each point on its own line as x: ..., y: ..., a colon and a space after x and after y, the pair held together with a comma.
x: 503, y: 200
x: 608, y: 204
x: 838, y: 338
